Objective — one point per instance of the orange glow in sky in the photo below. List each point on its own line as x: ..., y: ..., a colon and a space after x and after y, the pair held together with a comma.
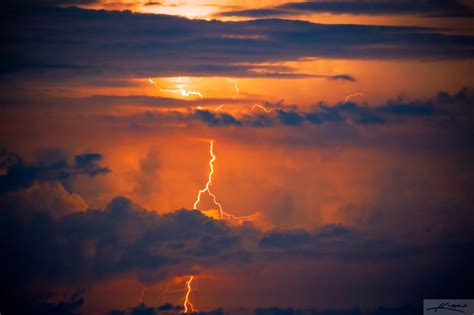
x: 290, y: 131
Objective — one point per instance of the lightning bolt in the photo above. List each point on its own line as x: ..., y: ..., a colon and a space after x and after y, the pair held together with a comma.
x: 261, y: 107
x: 207, y: 188
x: 142, y: 295
x: 219, y: 108
x: 165, y: 292
x: 180, y: 89
x: 348, y: 97
x: 236, y: 87
x: 187, y: 304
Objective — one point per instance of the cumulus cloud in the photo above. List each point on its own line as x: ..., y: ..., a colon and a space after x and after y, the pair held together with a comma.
x: 146, y: 179
x: 50, y: 197
x: 124, y: 239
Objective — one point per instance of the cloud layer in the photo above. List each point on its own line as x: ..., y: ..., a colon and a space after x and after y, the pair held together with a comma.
x: 123, y: 239
x: 427, y: 8
x: 451, y: 109
x: 71, y: 41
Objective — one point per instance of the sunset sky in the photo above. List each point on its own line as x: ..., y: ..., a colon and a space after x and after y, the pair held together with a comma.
x: 343, y: 142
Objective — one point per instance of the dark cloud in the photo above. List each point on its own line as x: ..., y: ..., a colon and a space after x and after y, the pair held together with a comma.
x: 153, y: 3
x: 71, y: 306
x: 16, y: 174
x: 343, y: 77
x: 46, y: 3
x: 258, y: 13
x: 443, y: 107
x: 290, y: 118
x: 439, y: 8
x: 121, y: 239
x: 404, y: 310
x: 87, y: 163
x: 124, y: 239
x: 75, y: 42
x: 143, y: 309
x: 213, y: 119
x: 284, y: 239
x: 24, y: 97
x: 428, y: 8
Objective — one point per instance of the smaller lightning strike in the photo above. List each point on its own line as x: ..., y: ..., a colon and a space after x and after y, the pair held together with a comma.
x: 180, y: 89
x: 187, y: 304
x: 236, y: 86
x: 142, y: 295
x: 165, y: 292
x: 348, y: 97
x: 219, y: 108
x: 261, y: 107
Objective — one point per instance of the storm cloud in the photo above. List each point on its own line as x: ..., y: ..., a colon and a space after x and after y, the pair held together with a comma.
x: 72, y: 41
x: 124, y: 239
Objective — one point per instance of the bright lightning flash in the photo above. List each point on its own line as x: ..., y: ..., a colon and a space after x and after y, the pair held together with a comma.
x: 207, y: 188
x: 179, y: 90
x: 348, y: 97
x: 187, y: 304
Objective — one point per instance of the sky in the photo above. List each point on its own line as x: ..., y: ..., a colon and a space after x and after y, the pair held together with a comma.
x: 235, y: 157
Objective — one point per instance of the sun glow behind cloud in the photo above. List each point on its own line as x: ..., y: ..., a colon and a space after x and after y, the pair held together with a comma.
x: 213, y: 9
x: 204, y: 9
